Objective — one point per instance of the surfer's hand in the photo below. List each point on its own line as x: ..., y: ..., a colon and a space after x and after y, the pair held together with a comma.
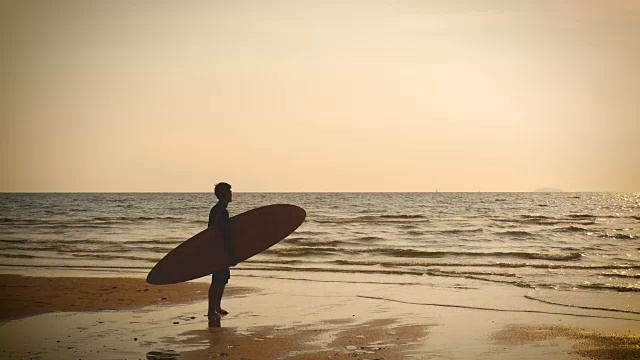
x: 234, y: 262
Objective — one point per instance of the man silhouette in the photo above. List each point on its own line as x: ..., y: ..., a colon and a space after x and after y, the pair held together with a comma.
x: 219, y: 219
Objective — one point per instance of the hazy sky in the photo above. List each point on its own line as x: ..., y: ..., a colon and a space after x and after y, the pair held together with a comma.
x: 480, y: 95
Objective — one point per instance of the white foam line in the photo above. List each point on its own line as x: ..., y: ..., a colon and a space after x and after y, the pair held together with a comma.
x: 494, y: 309
x: 582, y: 307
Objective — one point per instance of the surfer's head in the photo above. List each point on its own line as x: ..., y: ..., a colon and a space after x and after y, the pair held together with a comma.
x: 223, y: 191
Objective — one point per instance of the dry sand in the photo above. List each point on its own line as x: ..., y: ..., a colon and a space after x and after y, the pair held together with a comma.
x: 122, y: 318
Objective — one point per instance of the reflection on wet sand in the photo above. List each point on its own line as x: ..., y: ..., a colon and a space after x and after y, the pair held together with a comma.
x: 382, y: 338
x: 162, y: 355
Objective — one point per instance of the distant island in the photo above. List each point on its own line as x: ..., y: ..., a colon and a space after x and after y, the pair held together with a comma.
x: 549, y: 189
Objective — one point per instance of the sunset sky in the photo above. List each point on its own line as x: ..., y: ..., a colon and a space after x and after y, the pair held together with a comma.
x: 483, y: 95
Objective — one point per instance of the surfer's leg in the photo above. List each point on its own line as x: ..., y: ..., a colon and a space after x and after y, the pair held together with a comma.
x: 222, y: 280
x: 212, y: 299
x: 214, y: 318
x: 219, y: 309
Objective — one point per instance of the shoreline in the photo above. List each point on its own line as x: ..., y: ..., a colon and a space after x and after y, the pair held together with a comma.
x: 288, y: 319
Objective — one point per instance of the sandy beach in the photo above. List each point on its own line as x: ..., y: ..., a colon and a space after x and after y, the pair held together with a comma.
x: 28, y: 296
x: 271, y: 318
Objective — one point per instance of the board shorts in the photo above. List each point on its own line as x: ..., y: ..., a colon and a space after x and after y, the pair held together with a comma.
x: 221, y: 277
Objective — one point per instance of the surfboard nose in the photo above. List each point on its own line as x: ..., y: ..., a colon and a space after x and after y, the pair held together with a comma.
x: 295, y: 212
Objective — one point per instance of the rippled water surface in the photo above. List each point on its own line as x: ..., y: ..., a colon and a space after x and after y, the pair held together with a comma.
x: 564, y: 241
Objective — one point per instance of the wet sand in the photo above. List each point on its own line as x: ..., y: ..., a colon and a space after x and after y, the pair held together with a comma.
x: 589, y: 344
x: 22, y: 296
x: 270, y: 318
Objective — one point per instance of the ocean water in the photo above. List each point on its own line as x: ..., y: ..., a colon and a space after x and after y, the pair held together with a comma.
x: 562, y: 241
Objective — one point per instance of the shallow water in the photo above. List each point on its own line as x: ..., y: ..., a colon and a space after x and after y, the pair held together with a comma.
x: 544, y: 241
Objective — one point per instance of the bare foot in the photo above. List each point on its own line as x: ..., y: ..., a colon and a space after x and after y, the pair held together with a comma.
x: 221, y: 312
x: 214, y: 322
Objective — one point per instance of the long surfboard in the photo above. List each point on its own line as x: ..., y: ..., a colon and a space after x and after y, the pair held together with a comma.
x: 251, y: 233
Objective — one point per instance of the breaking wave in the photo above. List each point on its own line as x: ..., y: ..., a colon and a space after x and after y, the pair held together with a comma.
x: 370, y: 219
x: 516, y: 233
x: 571, y: 229
x: 617, y: 236
x: 99, y: 221
x: 415, y: 253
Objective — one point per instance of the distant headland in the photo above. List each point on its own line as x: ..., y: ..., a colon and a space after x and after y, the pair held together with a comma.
x: 548, y: 189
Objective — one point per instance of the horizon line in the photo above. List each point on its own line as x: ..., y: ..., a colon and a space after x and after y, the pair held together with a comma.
x: 309, y: 192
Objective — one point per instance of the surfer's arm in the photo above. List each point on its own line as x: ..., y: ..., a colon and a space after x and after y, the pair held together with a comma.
x: 223, y: 225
